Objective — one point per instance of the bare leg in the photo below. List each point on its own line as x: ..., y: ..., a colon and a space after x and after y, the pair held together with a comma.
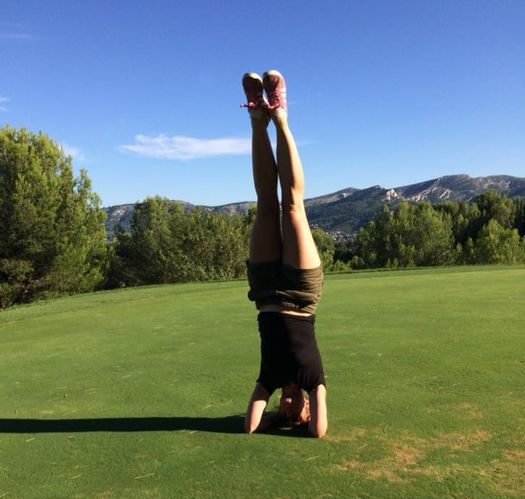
x: 265, y: 239
x: 299, y: 249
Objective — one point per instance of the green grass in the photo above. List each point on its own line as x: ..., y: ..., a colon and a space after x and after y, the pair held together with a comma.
x: 140, y: 392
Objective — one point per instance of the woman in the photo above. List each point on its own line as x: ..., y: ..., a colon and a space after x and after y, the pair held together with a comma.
x: 284, y: 271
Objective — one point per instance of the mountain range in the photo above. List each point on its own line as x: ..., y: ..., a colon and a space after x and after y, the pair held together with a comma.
x: 341, y: 213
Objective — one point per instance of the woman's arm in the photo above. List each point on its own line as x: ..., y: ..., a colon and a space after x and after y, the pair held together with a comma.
x: 319, y: 415
x: 254, y: 420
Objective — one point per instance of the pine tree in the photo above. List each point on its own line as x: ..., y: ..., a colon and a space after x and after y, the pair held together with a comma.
x: 52, y: 236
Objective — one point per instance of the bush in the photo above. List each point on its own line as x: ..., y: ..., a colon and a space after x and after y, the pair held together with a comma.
x: 52, y: 236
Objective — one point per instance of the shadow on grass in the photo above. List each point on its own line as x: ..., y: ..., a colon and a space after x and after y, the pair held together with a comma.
x: 227, y: 424
x: 295, y: 431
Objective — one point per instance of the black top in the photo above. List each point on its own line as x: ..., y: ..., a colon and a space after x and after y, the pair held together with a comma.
x: 289, y: 353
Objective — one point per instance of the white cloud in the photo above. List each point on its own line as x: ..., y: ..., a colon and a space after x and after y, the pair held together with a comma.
x: 179, y: 147
x: 74, y: 152
x: 3, y: 100
x: 14, y: 31
x: 15, y: 36
x: 10, y: 24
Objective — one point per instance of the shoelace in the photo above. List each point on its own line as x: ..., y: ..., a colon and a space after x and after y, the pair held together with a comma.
x: 251, y: 105
x: 255, y: 103
x: 275, y: 98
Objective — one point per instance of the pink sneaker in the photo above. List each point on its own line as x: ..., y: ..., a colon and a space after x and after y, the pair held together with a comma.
x: 253, y: 88
x: 275, y: 88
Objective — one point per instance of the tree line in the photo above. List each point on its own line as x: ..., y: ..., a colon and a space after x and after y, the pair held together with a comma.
x: 487, y: 230
x: 166, y: 244
x: 53, y: 239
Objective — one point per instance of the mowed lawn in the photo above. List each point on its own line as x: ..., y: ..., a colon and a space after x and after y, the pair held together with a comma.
x: 141, y: 392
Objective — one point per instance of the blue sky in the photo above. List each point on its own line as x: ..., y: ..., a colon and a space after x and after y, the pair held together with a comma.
x: 146, y: 95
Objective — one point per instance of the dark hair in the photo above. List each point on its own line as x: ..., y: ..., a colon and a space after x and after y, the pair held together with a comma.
x: 295, y: 418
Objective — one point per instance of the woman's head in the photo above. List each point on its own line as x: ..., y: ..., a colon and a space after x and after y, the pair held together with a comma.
x: 294, y: 405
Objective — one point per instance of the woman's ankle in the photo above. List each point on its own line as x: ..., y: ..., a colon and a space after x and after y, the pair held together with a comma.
x: 280, y: 121
x: 260, y: 123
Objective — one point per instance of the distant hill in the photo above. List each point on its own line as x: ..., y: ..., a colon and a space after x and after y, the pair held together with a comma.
x: 346, y: 210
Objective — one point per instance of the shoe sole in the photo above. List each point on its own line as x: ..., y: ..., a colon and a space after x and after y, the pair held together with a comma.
x: 273, y: 72
x: 253, y: 76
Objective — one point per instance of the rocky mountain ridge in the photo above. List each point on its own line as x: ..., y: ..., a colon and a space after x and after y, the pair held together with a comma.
x: 344, y: 211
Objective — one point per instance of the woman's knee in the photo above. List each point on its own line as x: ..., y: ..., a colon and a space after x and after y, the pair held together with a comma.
x: 294, y: 217
x: 292, y: 202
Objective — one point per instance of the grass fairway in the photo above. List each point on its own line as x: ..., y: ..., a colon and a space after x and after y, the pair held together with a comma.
x: 140, y: 392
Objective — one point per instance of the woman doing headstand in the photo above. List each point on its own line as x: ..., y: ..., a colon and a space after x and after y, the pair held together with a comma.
x: 284, y: 271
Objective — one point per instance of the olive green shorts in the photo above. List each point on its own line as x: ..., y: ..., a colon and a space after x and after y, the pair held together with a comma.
x: 276, y: 283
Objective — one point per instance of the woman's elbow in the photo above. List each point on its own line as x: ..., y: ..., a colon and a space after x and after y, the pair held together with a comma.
x: 317, y: 430
x: 249, y: 428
